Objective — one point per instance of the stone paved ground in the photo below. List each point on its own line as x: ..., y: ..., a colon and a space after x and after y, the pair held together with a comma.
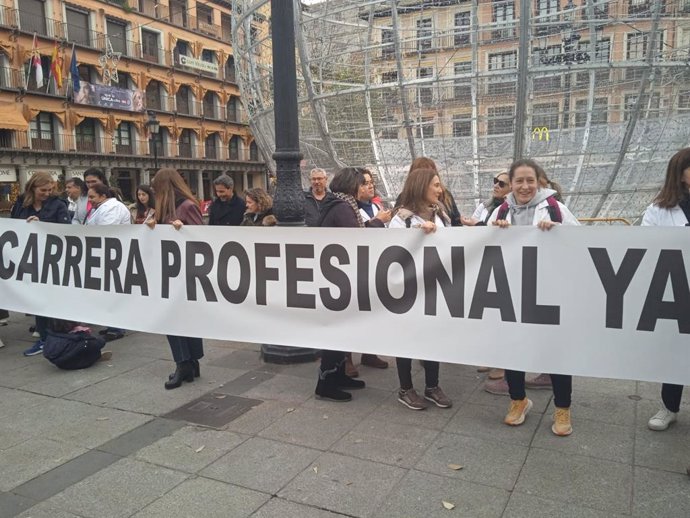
x: 95, y: 443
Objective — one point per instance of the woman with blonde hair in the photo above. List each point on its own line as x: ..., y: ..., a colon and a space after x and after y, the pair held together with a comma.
x: 419, y: 207
x: 259, y: 210
x: 446, y: 199
x: 177, y: 206
x: 39, y: 203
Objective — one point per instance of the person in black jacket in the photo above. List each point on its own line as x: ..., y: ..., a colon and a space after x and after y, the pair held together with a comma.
x: 315, y: 197
x: 38, y: 203
x: 227, y: 208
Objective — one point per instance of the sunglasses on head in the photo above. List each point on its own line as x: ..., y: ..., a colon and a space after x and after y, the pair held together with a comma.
x: 500, y: 183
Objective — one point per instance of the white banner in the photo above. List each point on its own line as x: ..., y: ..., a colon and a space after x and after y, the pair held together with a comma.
x: 593, y: 301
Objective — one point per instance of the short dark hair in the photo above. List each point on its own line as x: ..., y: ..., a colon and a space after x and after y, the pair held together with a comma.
x: 103, y: 190
x: 347, y: 181
x: 78, y: 182
x: 98, y: 173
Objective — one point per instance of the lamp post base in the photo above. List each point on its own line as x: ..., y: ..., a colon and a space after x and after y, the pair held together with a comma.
x: 284, y: 354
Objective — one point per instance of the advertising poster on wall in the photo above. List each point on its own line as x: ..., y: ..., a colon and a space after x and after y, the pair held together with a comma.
x: 105, y: 96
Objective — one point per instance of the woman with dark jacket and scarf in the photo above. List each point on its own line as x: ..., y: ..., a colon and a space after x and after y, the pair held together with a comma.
x: 339, y: 211
x: 259, y: 209
x: 177, y: 206
x: 38, y: 203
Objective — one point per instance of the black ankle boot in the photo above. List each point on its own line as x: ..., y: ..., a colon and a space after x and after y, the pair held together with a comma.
x: 195, y: 365
x: 344, y: 381
x: 328, y: 389
x: 183, y: 372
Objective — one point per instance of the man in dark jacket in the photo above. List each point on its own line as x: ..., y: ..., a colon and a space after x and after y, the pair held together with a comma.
x: 315, y: 197
x: 227, y: 208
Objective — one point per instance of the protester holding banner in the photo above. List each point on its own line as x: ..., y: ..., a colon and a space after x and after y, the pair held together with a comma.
x: 77, y: 200
x: 105, y: 208
x: 419, y: 208
x: 530, y: 204
x: 339, y: 210
x: 482, y: 213
x: 177, y: 206
x: 145, y: 205
x: 38, y: 203
x: 671, y: 208
x: 259, y: 209
x: 227, y: 208
x: 446, y: 199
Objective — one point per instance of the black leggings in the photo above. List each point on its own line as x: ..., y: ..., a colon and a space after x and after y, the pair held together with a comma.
x: 562, y: 387
x: 671, y: 395
x: 405, y: 373
x: 330, y: 362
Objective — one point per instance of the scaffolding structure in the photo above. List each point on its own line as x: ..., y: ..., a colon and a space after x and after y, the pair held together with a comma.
x: 596, y: 91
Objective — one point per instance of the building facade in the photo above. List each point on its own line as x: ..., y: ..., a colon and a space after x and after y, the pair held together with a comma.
x: 137, y: 60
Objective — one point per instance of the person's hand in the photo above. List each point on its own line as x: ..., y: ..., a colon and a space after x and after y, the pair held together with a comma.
x: 384, y: 215
x: 177, y: 224
x: 546, y: 224
x: 32, y: 218
x: 151, y: 223
x: 428, y: 227
x: 468, y: 222
x: 501, y: 223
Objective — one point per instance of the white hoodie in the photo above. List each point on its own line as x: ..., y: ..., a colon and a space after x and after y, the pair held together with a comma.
x: 110, y: 212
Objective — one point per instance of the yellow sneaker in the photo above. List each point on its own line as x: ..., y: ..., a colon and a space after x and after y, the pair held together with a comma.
x: 518, y: 411
x: 561, y: 422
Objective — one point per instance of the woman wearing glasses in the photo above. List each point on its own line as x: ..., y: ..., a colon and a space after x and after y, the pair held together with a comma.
x: 498, y: 195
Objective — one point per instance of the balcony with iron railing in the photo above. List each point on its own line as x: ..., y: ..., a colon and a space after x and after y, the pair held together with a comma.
x: 9, y: 17
x: 33, y: 23
x: 12, y: 78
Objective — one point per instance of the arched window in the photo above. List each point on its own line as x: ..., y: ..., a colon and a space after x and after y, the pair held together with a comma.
x: 253, y: 152
x: 123, y: 138
x: 210, y: 111
x: 43, y: 131
x: 211, y: 146
x: 184, y: 100
x: 185, y: 143
x: 153, y: 95
x: 230, y: 69
x: 232, y: 111
x: 86, y: 136
x: 234, y: 148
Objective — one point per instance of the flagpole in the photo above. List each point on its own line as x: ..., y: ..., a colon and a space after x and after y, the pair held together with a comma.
x: 70, y: 87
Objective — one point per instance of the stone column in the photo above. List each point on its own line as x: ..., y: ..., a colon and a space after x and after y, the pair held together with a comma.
x: 245, y: 181
x: 200, y: 184
x: 22, y: 176
x: 145, y: 176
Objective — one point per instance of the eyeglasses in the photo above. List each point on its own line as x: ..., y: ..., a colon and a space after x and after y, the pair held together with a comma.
x: 500, y: 183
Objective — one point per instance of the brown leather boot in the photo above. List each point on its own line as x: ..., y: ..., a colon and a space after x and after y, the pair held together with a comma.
x: 371, y: 360
x: 350, y: 369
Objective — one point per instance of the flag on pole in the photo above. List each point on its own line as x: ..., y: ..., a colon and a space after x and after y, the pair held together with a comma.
x: 36, y: 63
x: 74, y: 71
x: 56, y: 66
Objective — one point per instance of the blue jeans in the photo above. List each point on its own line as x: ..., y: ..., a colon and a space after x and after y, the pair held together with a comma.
x: 184, y: 348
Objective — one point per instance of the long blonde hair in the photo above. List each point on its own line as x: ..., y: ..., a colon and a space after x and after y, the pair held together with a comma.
x: 168, y: 187
x: 37, y: 180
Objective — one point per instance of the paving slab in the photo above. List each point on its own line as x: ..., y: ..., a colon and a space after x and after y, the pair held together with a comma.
x: 364, y: 402
x: 262, y: 464
x: 13, y: 401
x: 521, y: 505
x: 667, y: 450
x: 486, y: 421
x: 660, y: 494
x: 190, y: 449
x: 590, y: 438
x: 484, y: 461
x: 342, y: 484
x: 606, y: 408
x: 290, y: 389
x: 604, y: 386
x: 259, y: 417
x: 279, y: 508
x: 313, y: 428
x: 118, y: 490
x: 393, y: 411
x: 577, y: 480
x: 43, y: 511
x: 140, y: 437
x: 540, y: 398
x: 12, y: 505
x: 29, y: 459
x: 422, y: 494
x: 389, y: 443
x: 201, y: 497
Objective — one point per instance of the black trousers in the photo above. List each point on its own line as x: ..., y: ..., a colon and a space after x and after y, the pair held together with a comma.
x: 671, y: 396
x: 185, y: 348
x: 405, y: 373
x: 330, y: 362
x: 562, y: 387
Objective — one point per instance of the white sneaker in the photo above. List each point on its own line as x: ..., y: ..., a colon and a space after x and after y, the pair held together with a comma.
x: 36, y: 334
x: 2, y: 344
x: 662, y: 420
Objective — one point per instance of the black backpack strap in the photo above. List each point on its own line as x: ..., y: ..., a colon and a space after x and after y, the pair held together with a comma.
x: 554, y: 210
x: 685, y: 206
x: 408, y: 221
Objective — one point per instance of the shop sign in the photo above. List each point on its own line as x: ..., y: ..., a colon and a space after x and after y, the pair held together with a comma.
x: 52, y: 172
x: 198, y: 64
x: 8, y: 175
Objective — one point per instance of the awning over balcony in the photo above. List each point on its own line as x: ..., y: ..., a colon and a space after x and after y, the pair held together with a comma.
x: 11, y: 117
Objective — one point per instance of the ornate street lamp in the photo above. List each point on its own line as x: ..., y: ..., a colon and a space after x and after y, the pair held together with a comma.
x: 154, y: 127
x: 288, y: 202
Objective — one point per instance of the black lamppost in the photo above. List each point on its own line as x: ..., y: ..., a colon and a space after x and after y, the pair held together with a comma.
x: 288, y: 202
x: 154, y: 126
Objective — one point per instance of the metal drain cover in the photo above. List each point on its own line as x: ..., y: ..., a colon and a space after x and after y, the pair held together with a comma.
x: 214, y: 409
